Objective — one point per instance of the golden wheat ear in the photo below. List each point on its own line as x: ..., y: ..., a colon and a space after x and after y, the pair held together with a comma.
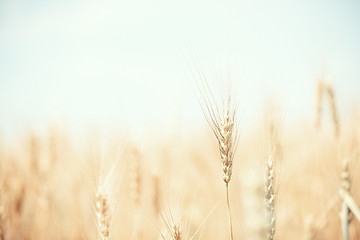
x: 175, y: 232
x: 104, y: 205
x: 221, y: 115
x: 223, y: 122
x: 103, y: 215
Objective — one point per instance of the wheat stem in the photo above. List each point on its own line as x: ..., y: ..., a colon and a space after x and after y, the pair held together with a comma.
x: 345, y: 186
x: 229, y: 211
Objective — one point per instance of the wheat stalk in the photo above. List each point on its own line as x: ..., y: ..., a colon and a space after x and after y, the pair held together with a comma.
x: 2, y: 222
x: 223, y: 124
x: 345, y: 187
x: 273, y: 129
x: 270, y: 197
x: 351, y: 203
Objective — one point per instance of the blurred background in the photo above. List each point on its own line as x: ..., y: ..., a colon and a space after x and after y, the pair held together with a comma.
x: 126, y: 64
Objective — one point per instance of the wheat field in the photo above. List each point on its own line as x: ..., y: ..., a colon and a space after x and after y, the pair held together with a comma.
x: 179, y: 120
x: 171, y: 186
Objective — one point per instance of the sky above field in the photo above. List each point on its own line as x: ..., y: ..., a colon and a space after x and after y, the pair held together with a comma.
x: 127, y: 64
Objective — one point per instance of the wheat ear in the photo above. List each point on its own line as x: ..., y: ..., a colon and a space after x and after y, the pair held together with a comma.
x: 135, y: 177
x: 34, y: 153
x: 334, y: 115
x: 156, y: 199
x: 175, y: 233
x: 103, y: 215
x: 225, y: 130
x: 225, y: 138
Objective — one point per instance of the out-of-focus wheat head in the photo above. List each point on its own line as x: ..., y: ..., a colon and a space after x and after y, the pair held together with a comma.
x: 326, y: 88
x: 334, y: 114
x: 273, y: 122
x: 156, y: 192
x: 175, y: 233
x: 135, y: 176
x: 102, y: 214
x: 171, y: 221
x: 34, y: 153
x: 319, y: 101
x: 345, y: 176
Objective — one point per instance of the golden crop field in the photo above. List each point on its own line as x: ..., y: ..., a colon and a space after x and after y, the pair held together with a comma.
x: 179, y: 120
x: 282, y: 183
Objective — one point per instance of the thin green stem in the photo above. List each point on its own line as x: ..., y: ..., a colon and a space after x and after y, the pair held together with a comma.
x: 229, y: 211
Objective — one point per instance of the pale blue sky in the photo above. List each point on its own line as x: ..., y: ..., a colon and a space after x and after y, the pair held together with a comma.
x: 123, y: 63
